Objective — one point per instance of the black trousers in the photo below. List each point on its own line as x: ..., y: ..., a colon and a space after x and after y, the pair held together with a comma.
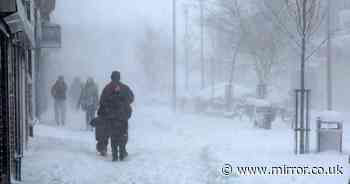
x: 119, y: 139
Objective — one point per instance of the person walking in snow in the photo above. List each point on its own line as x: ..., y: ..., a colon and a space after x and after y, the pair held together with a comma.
x: 58, y: 92
x: 88, y: 101
x: 115, y: 109
x: 75, y: 91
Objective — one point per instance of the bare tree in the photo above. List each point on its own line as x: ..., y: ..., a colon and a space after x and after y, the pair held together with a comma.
x: 301, y: 23
x: 224, y: 16
x: 153, y: 51
x: 250, y: 33
x: 265, y: 45
x: 186, y: 45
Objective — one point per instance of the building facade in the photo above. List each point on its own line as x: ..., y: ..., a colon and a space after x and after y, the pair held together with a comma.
x: 21, y: 40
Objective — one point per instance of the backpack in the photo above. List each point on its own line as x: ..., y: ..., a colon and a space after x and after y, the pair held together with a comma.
x: 59, y: 91
x: 89, y: 97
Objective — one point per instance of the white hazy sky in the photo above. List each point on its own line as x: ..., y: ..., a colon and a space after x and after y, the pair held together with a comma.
x: 126, y: 12
x: 98, y: 36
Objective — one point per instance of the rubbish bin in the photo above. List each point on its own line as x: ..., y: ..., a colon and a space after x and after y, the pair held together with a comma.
x: 263, y: 117
x: 329, y: 135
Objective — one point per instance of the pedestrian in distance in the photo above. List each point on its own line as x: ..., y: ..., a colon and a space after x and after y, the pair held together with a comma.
x: 75, y: 91
x: 88, y: 101
x: 58, y: 92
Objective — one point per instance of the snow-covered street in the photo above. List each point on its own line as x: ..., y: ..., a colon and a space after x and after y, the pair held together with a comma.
x: 186, y: 91
x: 170, y: 148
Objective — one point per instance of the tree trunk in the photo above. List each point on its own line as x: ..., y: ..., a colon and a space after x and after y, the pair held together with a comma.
x: 302, y: 80
x: 329, y: 59
x: 232, y: 72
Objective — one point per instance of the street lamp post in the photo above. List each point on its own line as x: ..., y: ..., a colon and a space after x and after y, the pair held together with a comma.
x: 186, y: 49
x: 329, y: 58
x: 174, y: 95
x: 202, y: 44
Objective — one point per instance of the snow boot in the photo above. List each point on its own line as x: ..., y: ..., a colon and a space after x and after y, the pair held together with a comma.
x: 101, y: 149
x: 114, y: 153
x: 103, y: 153
x: 122, y: 153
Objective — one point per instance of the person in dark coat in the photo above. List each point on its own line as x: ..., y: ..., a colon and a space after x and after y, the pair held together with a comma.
x: 101, y: 134
x: 58, y: 92
x: 88, y: 101
x: 115, y: 109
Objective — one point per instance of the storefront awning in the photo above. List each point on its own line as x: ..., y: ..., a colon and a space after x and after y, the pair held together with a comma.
x: 19, y: 22
x: 7, y: 7
x: 51, y: 36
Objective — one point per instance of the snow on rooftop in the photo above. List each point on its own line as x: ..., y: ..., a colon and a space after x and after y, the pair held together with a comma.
x: 344, y: 16
x: 331, y: 116
x: 258, y: 102
x: 275, y: 95
x: 219, y: 90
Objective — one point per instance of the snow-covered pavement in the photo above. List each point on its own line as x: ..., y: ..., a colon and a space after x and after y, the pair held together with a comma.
x: 166, y: 148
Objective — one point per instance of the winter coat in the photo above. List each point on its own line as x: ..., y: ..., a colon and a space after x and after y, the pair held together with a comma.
x: 115, y: 102
x: 118, y: 131
x: 59, y: 90
x: 101, y: 128
x: 105, y: 128
x: 89, y: 97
